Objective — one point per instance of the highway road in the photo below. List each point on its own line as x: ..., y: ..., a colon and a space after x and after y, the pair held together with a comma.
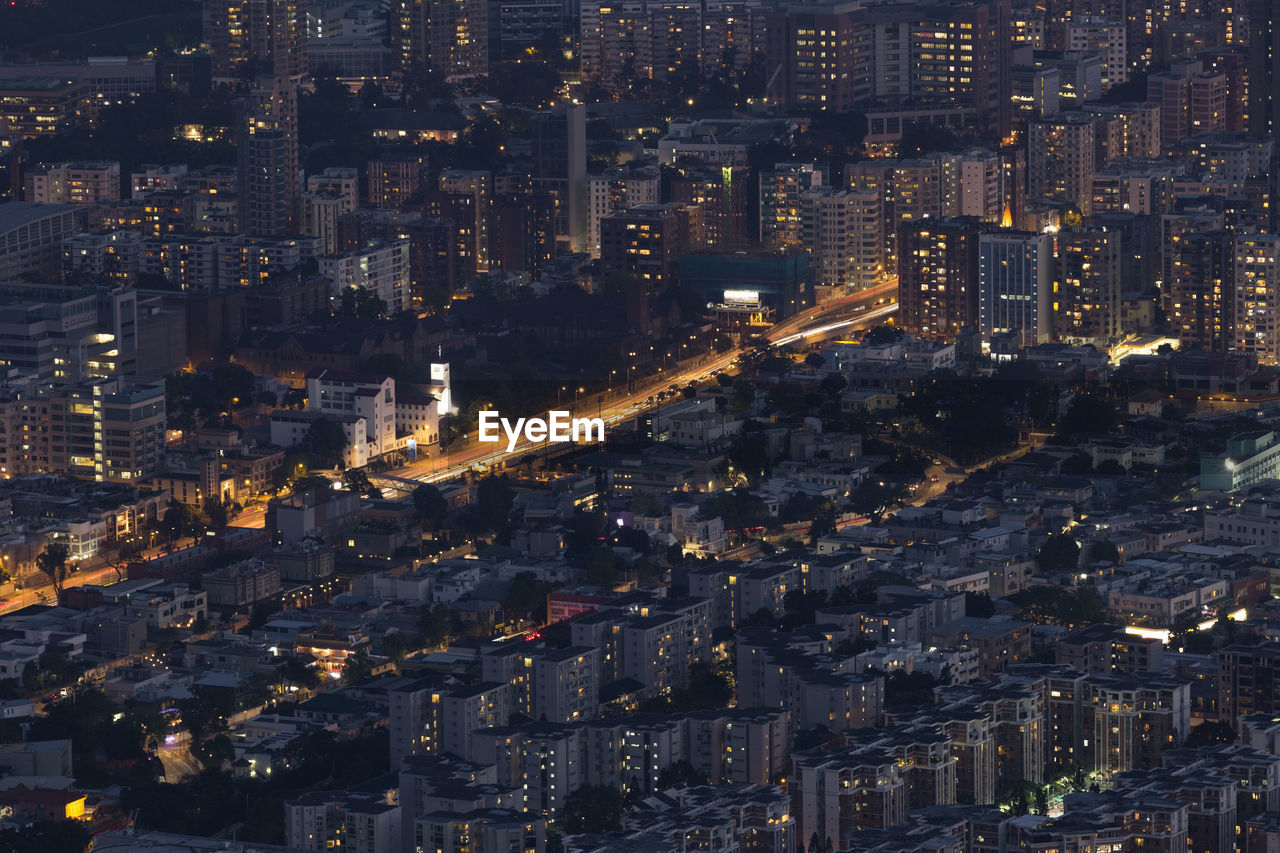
x: 826, y: 321
x: 822, y: 322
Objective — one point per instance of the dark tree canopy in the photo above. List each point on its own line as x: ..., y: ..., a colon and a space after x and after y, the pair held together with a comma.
x: 1088, y: 412
x: 1104, y: 550
x: 1060, y: 551
x: 594, y: 809
x: 429, y: 505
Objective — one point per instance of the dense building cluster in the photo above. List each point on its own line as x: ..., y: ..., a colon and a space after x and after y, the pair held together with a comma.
x: 928, y: 499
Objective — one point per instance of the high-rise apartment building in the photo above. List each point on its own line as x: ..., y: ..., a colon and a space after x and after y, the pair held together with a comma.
x: 451, y: 38
x: 1200, y: 218
x: 393, y: 180
x: 268, y: 165
x: 844, y: 232
x: 722, y: 196
x: 657, y: 39
x: 1232, y: 62
x: 962, y: 52
x: 780, y: 191
x: 1125, y: 130
x: 1015, y: 285
x: 1191, y: 100
x: 107, y: 429
x: 332, y: 194
x: 1060, y: 161
x: 478, y: 185
x: 1105, y: 37
x: 1201, y: 290
x: 1248, y: 680
x: 645, y: 242
x: 615, y: 191
x: 1086, y: 299
x: 73, y: 183
x: 980, y: 191
x: 522, y: 232
x: 1143, y: 187
x: 1264, y: 80
x: 382, y: 270
x: 560, y: 168
x: 1257, y: 309
x: 818, y: 56
x: 1208, y: 103
x: 937, y: 276
x: 256, y: 37
x: 557, y: 685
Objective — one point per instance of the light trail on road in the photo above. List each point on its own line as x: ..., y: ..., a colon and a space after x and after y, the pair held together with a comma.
x: 474, y: 456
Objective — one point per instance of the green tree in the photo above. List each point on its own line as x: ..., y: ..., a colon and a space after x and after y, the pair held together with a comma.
x: 325, y: 443
x: 356, y: 480
x: 435, y: 623
x: 294, y: 671
x: 681, y: 774
x: 881, y: 335
x: 526, y: 597
x: 978, y: 604
x: 646, y: 504
x: 602, y: 568
x: 874, y: 498
x: 1089, y: 412
x: 214, y: 753
x: 201, y: 718
x: 1104, y: 550
x: 494, y: 497
x: 1111, y: 468
x: 1210, y: 733
x: 903, y: 689
x: 94, y: 724
x: 47, y: 836
x: 357, y: 667
x: 833, y: 385
x: 748, y: 455
x: 179, y: 520
x: 592, y: 809
x: 218, y: 511
x: 429, y: 506
x: 801, y: 607
x: 739, y: 509
x: 362, y: 303
x: 743, y: 395
x: 123, y: 552
x: 1060, y: 551
x: 53, y: 562
x: 1053, y: 605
